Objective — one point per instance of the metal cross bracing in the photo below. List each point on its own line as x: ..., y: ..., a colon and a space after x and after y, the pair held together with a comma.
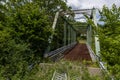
x: 65, y: 39
x: 93, y: 37
x: 68, y: 38
x: 69, y: 33
x: 81, y: 12
x: 91, y: 13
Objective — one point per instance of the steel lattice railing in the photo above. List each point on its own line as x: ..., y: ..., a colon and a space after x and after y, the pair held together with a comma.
x: 59, y: 51
x: 59, y: 76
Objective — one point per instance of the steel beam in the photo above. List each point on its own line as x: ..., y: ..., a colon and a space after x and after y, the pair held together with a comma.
x: 82, y: 10
x: 65, y: 31
x: 97, y: 44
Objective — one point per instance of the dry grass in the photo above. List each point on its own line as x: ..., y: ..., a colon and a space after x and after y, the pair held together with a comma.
x: 74, y: 70
x: 82, y: 41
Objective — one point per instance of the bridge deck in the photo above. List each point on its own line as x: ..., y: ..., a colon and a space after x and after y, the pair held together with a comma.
x: 79, y: 52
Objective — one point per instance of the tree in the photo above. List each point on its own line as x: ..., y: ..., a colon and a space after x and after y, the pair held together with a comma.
x: 24, y: 33
x: 110, y: 38
x: 2, y: 11
x: 14, y: 57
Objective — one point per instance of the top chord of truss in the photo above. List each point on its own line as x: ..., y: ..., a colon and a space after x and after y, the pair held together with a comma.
x: 82, y: 10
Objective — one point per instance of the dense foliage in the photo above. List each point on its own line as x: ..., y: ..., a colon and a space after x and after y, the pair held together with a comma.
x: 25, y: 26
x: 109, y: 35
x: 110, y: 39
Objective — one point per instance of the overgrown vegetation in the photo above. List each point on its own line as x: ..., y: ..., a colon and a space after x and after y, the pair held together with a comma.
x: 74, y: 70
x: 25, y: 26
x: 109, y: 34
x: 110, y: 39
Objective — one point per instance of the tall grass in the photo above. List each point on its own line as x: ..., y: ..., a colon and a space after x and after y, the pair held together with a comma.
x: 74, y: 70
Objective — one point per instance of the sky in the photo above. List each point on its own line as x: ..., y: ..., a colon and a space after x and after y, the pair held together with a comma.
x: 89, y: 4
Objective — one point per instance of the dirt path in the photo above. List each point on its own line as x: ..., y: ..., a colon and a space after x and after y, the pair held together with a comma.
x: 79, y: 52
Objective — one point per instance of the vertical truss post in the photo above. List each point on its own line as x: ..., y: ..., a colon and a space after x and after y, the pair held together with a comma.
x: 88, y: 35
x: 74, y: 36
x: 69, y: 34
x: 55, y: 20
x: 97, y: 44
x: 53, y: 27
x: 72, y: 33
x: 65, y: 33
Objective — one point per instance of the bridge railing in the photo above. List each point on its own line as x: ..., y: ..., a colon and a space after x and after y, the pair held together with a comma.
x: 96, y: 58
x: 58, y: 52
x: 63, y: 37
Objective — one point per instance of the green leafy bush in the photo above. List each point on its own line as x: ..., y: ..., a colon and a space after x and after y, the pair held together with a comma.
x: 110, y: 39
